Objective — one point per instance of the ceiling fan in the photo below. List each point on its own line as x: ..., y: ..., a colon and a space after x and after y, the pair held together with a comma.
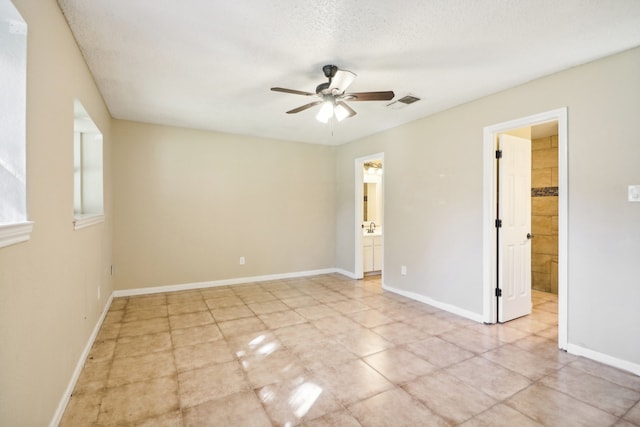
x: 332, y: 95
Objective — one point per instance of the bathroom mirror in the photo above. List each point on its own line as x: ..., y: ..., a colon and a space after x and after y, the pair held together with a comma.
x: 370, y: 202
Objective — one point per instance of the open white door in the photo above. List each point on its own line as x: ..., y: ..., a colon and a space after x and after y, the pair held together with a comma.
x: 514, y: 238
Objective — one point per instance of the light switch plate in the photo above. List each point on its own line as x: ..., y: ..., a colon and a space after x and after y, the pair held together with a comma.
x: 634, y: 193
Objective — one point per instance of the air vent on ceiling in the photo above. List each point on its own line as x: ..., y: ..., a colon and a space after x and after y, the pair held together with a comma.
x: 408, y: 99
x: 403, y: 102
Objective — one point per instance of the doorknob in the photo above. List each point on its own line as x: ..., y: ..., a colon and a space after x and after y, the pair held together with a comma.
x: 529, y: 236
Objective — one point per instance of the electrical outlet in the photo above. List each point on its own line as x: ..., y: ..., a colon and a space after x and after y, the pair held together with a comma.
x: 403, y: 270
x: 242, y: 260
x: 634, y: 193
x: 98, y: 293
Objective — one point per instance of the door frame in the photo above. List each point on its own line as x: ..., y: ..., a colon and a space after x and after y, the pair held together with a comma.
x: 359, y: 204
x: 489, y: 252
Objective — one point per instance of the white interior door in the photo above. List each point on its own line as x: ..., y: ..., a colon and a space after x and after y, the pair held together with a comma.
x: 514, y: 239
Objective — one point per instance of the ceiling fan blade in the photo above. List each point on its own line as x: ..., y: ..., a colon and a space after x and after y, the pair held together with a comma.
x: 293, y: 91
x: 351, y: 112
x: 370, y: 96
x: 342, y: 80
x: 304, y: 107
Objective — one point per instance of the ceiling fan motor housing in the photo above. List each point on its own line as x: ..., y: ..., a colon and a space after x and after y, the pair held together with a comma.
x: 329, y: 71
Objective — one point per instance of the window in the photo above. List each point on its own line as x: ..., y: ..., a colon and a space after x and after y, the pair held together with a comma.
x: 14, y: 225
x: 88, y: 205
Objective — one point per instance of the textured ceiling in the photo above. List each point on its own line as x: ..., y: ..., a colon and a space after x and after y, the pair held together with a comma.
x: 210, y: 64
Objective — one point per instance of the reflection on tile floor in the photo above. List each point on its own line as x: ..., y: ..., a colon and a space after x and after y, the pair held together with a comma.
x: 330, y: 351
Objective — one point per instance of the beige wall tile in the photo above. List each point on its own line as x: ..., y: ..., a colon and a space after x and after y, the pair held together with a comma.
x: 540, y: 143
x: 541, y: 224
x: 546, y: 158
x: 544, y: 205
x: 545, y: 245
x: 541, y: 263
x: 540, y: 178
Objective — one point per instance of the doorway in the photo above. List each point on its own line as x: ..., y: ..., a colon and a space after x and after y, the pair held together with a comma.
x: 492, y: 270
x: 369, y: 215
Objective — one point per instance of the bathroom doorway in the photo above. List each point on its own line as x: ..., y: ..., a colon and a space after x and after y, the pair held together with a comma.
x: 528, y: 211
x: 369, y: 215
x: 492, y: 257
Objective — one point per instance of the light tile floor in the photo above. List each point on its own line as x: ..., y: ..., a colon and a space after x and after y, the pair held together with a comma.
x: 330, y: 351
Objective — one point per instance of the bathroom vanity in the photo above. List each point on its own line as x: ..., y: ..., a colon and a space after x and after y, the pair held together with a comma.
x: 372, y: 251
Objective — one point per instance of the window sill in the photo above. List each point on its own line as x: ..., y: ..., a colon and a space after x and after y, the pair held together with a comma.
x: 88, y: 220
x: 11, y: 234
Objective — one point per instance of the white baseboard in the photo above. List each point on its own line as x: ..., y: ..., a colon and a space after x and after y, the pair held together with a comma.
x: 443, y: 306
x: 76, y: 373
x: 224, y: 282
x: 349, y: 274
x: 625, y: 365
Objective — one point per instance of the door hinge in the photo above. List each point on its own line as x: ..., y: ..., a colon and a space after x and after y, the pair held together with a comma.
x: 498, y: 154
x: 498, y: 223
x: 498, y: 292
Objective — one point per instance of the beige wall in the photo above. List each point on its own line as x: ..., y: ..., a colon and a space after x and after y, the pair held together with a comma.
x: 433, y: 199
x: 544, y: 214
x: 48, y: 286
x: 190, y: 203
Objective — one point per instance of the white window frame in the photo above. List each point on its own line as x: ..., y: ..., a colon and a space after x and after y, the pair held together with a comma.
x: 15, y: 228
x: 88, y: 192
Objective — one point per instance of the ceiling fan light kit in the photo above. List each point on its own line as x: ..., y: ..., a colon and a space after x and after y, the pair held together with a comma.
x: 332, y: 95
x: 341, y: 112
x: 325, y: 113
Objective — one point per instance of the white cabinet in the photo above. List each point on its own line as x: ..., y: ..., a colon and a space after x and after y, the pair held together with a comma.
x: 377, y: 254
x: 371, y: 253
x: 367, y: 255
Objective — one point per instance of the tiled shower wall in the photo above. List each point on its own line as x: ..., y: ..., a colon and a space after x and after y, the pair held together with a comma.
x: 544, y: 214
